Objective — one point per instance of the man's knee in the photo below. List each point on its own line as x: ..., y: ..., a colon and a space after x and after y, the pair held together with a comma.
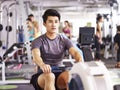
x: 62, y: 81
x: 49, y: 77
x: 61, y: 84
x: 45, y: 79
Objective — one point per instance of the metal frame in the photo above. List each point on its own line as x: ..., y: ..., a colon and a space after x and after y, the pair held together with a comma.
x: 4, y: 81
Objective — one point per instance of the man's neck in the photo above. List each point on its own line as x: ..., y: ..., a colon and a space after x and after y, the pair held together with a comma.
x: 51, y: 35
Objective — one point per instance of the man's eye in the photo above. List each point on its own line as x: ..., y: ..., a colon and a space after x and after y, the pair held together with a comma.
x: 56, y: 21
x: 50, y: 21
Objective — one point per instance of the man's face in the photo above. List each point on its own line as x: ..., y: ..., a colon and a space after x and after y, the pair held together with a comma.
x: 52, y: 24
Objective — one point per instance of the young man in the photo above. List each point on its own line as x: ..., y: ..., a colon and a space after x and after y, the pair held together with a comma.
x: 48, y: 51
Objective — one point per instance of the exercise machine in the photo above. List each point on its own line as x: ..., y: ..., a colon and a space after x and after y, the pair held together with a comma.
x: 86, y: 40
x: 4, y: 81
x: 93, y: 75
x: 8, y: 54
x: 108, y: 47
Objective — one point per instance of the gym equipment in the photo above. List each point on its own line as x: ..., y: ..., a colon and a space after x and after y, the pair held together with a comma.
x: 107, y: 53
x: 8, y: 28
x: 10, y: 14
x: 112, y: 4
x: 60, y: 69
x: 6, y: 56
x: 108, y: 46
x: 87, y: 53
x: 15, y: 47
x: 116, y: 87
x: 76, y: 83
x: 1, y: 27
x: 94, y: 76
x: 27, y: 43
x: 0, y: 59
x: 0, y: 43
x: 86, y: 35
x: 18, y: 54
x: 4, y: 81
x: 86, y: 40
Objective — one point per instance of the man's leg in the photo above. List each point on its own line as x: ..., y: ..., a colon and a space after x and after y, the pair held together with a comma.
x: 47, y: 81
x: 62, y: 80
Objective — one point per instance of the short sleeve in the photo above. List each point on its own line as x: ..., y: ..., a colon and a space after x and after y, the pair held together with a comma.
x: 68, y: 43
x: 35, y: 43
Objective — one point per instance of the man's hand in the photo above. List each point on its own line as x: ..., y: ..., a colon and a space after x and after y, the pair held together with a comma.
x: 45, y: 68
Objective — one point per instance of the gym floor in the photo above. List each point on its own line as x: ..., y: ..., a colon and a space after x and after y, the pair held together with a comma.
x: 109, y: 63
x: 17, y: 87
x: 24, y: 73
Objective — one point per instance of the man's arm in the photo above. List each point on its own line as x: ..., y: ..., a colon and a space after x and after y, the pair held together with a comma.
x: 36, y: 57
x: 38, y: 60
x: 75, y: 53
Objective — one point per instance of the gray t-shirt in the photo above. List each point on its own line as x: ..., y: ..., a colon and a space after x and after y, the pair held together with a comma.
x: 52, y: 50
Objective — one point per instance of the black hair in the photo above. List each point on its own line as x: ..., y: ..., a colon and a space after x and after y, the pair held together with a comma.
x: 30, y: 15
x: 50, y: 12
x: 118, y: 28
x: 99, y: 16
x: 28, y: 19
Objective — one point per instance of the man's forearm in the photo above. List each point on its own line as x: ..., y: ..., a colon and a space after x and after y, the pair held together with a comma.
x: 36, y: 57
x: 78, y: 57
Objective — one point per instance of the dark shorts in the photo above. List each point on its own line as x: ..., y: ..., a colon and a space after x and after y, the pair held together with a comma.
x: 34, y: 79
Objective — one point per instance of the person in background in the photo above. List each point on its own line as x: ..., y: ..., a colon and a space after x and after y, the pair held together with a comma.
x: 31, y: 29
x: 98, y: 36
x: 67, y: 29
x: 67, y: 32
x: 48, y: 51
x: 117, y: 46
x: 35, y: 24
